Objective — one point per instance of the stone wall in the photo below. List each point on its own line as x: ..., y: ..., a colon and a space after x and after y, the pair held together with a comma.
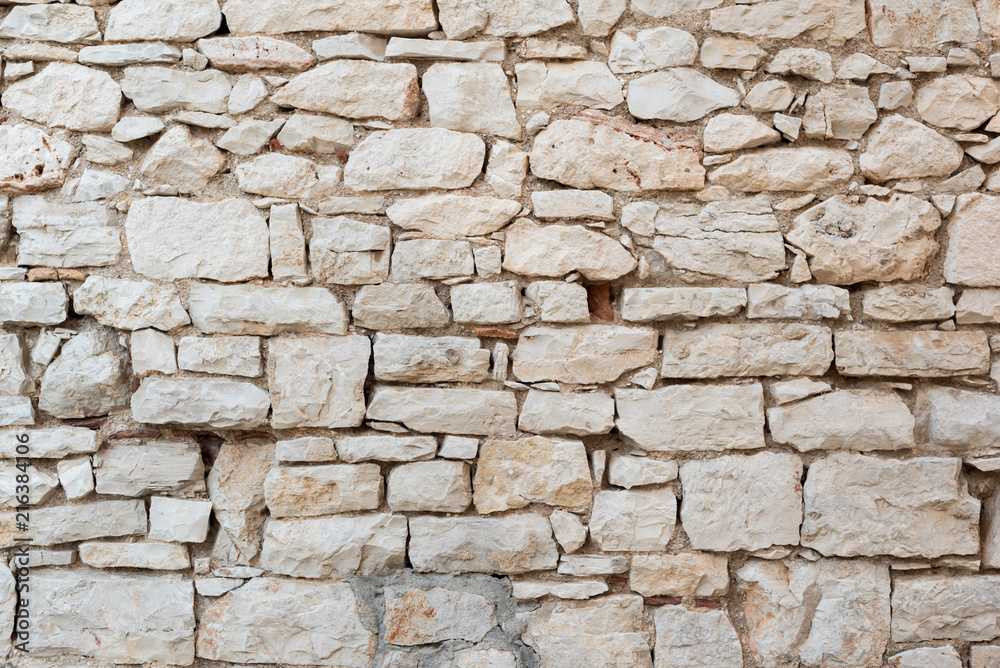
x: 501, y: 333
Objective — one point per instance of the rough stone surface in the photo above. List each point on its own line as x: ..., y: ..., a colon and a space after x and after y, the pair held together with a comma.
x: 798, y: 169
x: 932, y: 607
x: 863, y: 420
x: 846, y: 494
x: 68, y: 96
x: 970, y: 232
x: 512, y: 474
x: 695, y: 638
x: 589, y: 354
x: 414, y: 159
x: 915, y: 354
x: 509, y: 544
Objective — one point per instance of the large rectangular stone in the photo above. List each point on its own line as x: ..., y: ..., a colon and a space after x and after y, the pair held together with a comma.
x: 32, y: 304
x: 271, y: 620
x: 587, y: 354
x: 250, y: 309
x: 651, y: 304
x: 386, y: 448
x: 409, y: 17
x: 693, y: 417
x: 719, y: 350
x: 430, y: 359
x: 301, y: 491
x: 509, y: 544
x: 70, y: 523
x: 198, y: 402
x: 863, y: 506
x: 135, y: 470
x: 118, y: 618
x: 334, y: 546
x: 52, y: 234
x: 52, y: 443
x: 957, y: 420
x: 923, y: 354
x: 318, y: 381
x: 448, y: 410
x: 933, y: 607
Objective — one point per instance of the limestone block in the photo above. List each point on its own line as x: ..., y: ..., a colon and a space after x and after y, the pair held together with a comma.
x: 507, y: 545
x: 424, y: 616
x: 908, y: 303
x: 653, y: 304
x: 244, y: 54
x: 835, y: 22
x: 909, y: 24
x: 956, y: 420
x: 971, y: 233
x: 932, y: 607
x: 66, y: 95
x: 470, y: 97
x: 415, y: 159
x: 432, y: 259
x: 890, y: 156
x: 318, y: 381
x: 556, y: 250
x: 585, y: 83
x: 633, y: 521
x: 520, y: 18
x: 437, y: 486
x: 586, y: 354
x: 629, y: 471
x: 159, y: 89
x: 925, y: 354
x: 798, y: 169
x: 64, y: 235
x: 559, y: 301
x: 848, y: 495
x: 864, y: 420
x: 122, y: 626
x: 242, y: 625
x: 197, y: 402
x: 183, y: 21
x: 410, y: 17
x: 334, y: 546
x: 32, y: 160
x: 691, y: 638
x: 354, y: 89
x: 156, y: 556
x: 67, y: 24
x: 88, y: 378
x: 32, y: 304
x: 344, y: 251
x: 178, y: 520
x: 715, y: 350
x: 692, y: 417
x: 740, y: 502
x: 679, y: 94
x: 426, y: 359
x: 130, y: 305
x: 445, y: 410
x: 386, y: 448
x: 487, y: 303
x: 565, y: 413
x: 261, y: 311
x: 54, y: 525
x: 155, y: 467
x: 687, y: 574
x: 512, y: 474
x: 816, y: 610
x: 306, y: 491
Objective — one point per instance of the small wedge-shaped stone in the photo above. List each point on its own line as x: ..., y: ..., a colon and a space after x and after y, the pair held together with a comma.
x: 633, y: 520
x: 246, y: 54
x: 334, y: 546
x: 159, y: 89
x: 130, y: 305
x: 504, y: 545
x: 355, y: 89
x: 739, y: 502
x: 425, y: 616
x: 408, y: 17
x: 890, y: 152
x: 503, y: 18
x: 198, y: 402
x: 177, y: 21
x: 957, y: 420
x: 693, y: 417
x: 68, y: 24
x: 121, y: 625
x: 53, y: 525
x: 798, y: 169
x: 593, y: 150
x: 717, y: 350
x: 687, y: 574
x: 847, y: 242
x: 933, y: 607
x: 415, y: 159
x: 453, y: 216
x: 67, y: 95
x: 151, y: 468
x: 512, y: 474
x: 586, y: 354
x: 653, y: 304
x: 447, y: 410
x: 262, y: 311
x: 607, y: 631
x: 318, y: 381
x: 564, y: 413
x: 863, y: 506
x: 31, y: 160
x: 972, y: 233
x: 926, y: 354
x: 305, y: 491
x: 863, y: 420
x: 556, y: 250
x: 816, y: 610
x: 171, y: 238
x: 64, y: 235
x: 835, y: 21
x: 270, y: 620
x: 428, y: 359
